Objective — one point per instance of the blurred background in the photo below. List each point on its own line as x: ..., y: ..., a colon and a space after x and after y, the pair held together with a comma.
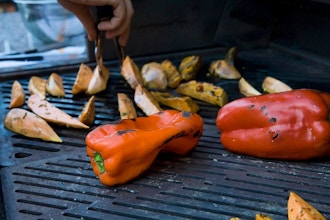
x: 39, y: 30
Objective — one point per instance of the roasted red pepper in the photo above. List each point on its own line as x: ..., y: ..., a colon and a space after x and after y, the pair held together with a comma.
x: 290, y: 125
x: 121, y: 151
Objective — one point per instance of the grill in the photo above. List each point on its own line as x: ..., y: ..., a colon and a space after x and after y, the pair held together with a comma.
x: 42, y: 180
x: 55, y: 181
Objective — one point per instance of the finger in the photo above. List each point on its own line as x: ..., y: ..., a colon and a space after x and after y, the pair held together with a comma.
x: 82, y: 12
x: 123, y: 38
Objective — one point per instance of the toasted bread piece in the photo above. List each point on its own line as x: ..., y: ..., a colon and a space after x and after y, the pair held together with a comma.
x: 87, y: 115
x: 99, y: 80
x: 126, y: 107
x: 54, y: 85
x: 84, y: 76
x: 145, y: 101
x: 17, y: 98
x: 298, y: 208
x: 246, y: 88
x: 273, y: 85
x: 173, y: 75
x: 204, y: 91
x: 131, y: 72
x: 183, y: 103
x: 37, y: 85
x: 189, y: 67
x: 28, y: 124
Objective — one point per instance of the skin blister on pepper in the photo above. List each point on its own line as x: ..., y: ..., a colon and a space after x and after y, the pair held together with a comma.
x: 122, y: 151
x: 290, y: 125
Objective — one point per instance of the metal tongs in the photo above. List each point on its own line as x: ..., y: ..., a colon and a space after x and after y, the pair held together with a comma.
x: 106, y: 13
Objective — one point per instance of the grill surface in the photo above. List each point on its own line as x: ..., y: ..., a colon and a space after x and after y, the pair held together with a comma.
x: 55, y: 181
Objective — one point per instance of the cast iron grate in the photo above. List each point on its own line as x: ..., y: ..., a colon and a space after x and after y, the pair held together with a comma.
x: 55, y: 181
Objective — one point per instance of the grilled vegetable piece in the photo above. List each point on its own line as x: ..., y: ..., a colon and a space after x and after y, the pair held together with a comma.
x: 50, y: 113
x: 298, y: 208
x: 99, y: 80
x: 231, y: 55
x: 291, y: 125
x: 246, y: 88
x: 273, y: 85
x: 82, y: 80
x: 37, y: 85
x: 173, y: 75
x: 131, y: 72
x: 121, y: 151
x: 126, y: 107
x: 145, y: 101
x: 189, y: 67
x: 204, y: 91
x: 184, y: 103
x: 17, y: 98
x: 263, y: 217
x: 223, y: 69
x: 28, y: 124
x: 154, y: 76
x: 54, y: 85
x: 87, y: 115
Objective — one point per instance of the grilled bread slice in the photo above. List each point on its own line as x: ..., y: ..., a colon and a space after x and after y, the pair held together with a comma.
x: 204, y: 91
x: 183, y: 103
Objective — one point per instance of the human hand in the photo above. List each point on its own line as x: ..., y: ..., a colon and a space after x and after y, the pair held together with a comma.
x: 119, y: 25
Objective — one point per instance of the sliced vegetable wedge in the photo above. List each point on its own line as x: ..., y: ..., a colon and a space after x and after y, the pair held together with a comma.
x: 52, y: 114
x: 28, y: 124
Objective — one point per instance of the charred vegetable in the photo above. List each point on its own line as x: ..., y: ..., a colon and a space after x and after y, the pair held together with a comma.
x: 28, y: 124
x: 131, y: 72
x: 126, y: 107
x: 173, y: 75
x: 17, y: 98
x: 145, y: 101
x: 37, y: 85
x: 291, y: 125
x: 54, y: 85
x: 87, y: 115
x: 204, y: 91
x: 122, y: 151
x: 223, y: 69
x: 82, y: 80
x: 189, y: 67
x: 298, y: 208
x: 154, y: 76
x: 184, y: 103
x: 246, y: 88
x: 99, y: 80
x: 272, y: 85
x: 50, y: 113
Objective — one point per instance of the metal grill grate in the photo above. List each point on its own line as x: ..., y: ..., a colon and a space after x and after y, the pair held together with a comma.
x: 55, y: 181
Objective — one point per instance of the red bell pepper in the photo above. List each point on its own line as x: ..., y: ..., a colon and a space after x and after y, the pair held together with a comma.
x: 290, y: 125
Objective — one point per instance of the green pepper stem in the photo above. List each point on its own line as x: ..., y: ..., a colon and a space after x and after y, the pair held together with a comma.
x: 99, y: 161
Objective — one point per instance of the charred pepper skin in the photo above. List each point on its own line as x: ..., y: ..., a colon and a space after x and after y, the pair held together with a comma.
x: 122, y: 151
x: 290, y: 125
